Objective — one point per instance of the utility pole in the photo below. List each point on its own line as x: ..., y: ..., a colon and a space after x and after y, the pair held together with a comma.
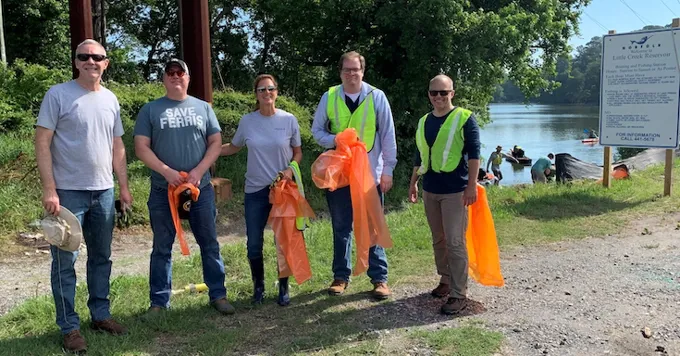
x: 3, y: 54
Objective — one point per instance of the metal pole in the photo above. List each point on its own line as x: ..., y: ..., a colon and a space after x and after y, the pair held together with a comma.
x: 80, y: 22
x: 195, y: 34
x: 3, y: 54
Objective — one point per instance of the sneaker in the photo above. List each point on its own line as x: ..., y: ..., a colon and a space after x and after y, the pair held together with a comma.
x: 110, y: 326
x: 337, y: 287
x: 74, y: 342
x: 381, y: 291
x: 454, y: 306
x: 223, y: 306
x: 441, y: 291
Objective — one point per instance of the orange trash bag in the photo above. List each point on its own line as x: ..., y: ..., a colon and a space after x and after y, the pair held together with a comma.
x: 348, y: 165
x: 484, y: 263
x: 174, y: 200
x: 291, y: 251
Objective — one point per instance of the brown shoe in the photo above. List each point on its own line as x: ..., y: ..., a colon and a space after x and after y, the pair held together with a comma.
x: 381, y: 291
x: 454, y: 306
x: 337, y: 287
x: 441, y: 291
x: 110, y: 326
x: 74, y: 342
x: 222, y: 305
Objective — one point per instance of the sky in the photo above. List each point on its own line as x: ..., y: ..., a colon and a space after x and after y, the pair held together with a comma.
x: 603, y: 15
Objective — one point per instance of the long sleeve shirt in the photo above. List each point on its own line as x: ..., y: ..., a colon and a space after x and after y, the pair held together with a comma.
x: 383, y: 156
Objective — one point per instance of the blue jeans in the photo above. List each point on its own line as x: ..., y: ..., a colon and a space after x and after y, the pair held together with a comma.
x: 95, y: 211
x: 340, y: 206
x: 202, y: 222
x: 257, y: 210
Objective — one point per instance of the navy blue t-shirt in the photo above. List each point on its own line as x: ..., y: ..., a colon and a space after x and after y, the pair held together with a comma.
x: 456, y: 181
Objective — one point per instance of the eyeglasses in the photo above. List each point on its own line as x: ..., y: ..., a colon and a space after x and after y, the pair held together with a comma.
x: 439, y: 92
x: 270, y: 88
x: 83, y: 57
x: 172, y: 73
x: 351, y: 70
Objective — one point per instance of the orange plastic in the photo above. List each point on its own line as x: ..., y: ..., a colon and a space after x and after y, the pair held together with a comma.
x: 173, y: 198
x: 484, y: 263
x: 348, y: 165
x: 291, y: 251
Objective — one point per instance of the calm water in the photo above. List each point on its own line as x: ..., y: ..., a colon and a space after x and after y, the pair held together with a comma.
x: 539, y: 130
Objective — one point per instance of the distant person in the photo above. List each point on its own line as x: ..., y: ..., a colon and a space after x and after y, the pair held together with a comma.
x: 495, y: 160
x: 272, y: 136
x: 449, y: 168
x: 541, y: 169
x: 78, y: 147
x: 173, y: 134
x: 517, y: 152
x: 592, y: 134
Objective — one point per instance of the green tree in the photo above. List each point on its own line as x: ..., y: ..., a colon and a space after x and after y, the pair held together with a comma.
x: 406, y: 42
x: 38, y: 32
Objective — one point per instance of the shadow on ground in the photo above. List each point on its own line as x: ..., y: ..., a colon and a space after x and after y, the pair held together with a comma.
x: 311, y: 323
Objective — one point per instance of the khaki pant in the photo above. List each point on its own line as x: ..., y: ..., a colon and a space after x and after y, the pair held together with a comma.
x: 447, y: 217
x: 538, y: 177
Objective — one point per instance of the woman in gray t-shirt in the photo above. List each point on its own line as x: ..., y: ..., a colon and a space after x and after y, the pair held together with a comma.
x: 273, y: 139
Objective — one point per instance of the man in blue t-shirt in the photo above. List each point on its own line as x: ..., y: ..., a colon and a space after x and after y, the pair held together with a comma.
x: 173, y: 134
x: 541, y: 169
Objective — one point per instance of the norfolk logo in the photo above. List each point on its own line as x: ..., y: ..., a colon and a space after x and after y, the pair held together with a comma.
x: 642, y: 43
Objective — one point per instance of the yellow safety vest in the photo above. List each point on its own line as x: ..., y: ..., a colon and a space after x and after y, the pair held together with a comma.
x: 301, y: 223
x: 498, y: 160
x: 448, y: 146
x: 363, y: 119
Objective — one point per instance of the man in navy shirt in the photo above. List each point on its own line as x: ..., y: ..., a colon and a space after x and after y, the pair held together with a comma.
x: 448, y: 149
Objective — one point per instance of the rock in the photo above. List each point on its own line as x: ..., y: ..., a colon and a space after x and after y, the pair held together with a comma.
x: 646, y: 332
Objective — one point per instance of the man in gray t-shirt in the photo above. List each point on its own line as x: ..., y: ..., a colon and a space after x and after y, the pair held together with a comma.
x: 173, y: 134
x: 78, y: 147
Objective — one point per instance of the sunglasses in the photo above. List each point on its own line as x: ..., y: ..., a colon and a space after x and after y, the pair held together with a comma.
x: 95, y: 57
x: 263, y: 89
x: 439, y: 92
x: 172, y: 73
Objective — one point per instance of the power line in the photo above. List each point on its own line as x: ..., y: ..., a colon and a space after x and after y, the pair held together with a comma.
x: 634, y: 12
x: 669, y: 9
x: 598, y: 22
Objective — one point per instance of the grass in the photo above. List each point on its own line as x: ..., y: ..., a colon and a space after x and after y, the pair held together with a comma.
x: 315, y: 323
x: 468, y: 340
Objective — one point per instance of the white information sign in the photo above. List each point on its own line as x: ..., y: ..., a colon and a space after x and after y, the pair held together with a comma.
x: 640, y: 89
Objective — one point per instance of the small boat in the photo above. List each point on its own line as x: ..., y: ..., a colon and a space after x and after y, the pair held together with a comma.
x: 523, y: 161
x: 590, y: 140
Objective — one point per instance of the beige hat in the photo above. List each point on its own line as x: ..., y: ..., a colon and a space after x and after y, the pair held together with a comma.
x: 63, y: 231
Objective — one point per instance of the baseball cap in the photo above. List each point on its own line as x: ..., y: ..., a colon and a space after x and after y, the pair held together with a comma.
x: 177, y: 62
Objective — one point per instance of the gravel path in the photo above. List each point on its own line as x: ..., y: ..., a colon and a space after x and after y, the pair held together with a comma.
x: 588, y: 297
x: 591, y: 297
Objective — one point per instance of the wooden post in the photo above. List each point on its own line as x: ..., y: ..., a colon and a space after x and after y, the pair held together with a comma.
x: 607, y: 170
x: 670, y: 153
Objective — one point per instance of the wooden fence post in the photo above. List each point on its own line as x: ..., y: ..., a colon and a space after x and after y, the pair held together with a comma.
x: 670, y: 153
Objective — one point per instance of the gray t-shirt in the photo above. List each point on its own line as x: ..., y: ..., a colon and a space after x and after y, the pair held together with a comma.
x: 179, y: 133
x: 84, y: 124
x: 270, y: 141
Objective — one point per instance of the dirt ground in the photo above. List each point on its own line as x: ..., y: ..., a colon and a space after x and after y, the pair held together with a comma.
x: 587, y: 297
